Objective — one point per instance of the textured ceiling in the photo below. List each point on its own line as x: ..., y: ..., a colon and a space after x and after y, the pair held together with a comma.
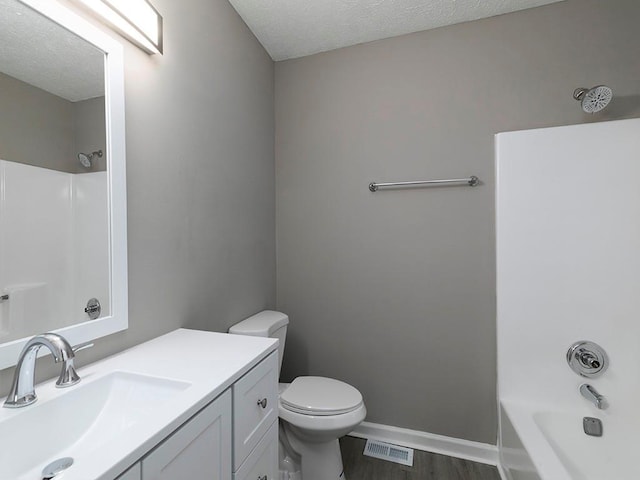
x: 43, y: 54
x: 295, y: 28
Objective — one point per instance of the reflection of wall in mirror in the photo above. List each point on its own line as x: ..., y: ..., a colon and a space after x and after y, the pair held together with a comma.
x: 54, y: 250
x: 89, y: 132
x: 42, y: 129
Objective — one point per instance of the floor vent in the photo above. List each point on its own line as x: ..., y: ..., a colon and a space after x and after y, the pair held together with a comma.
x: 389, y: 452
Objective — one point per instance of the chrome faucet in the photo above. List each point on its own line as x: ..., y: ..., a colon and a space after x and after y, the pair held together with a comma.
x: 22, y: 389
x: 591, y: 394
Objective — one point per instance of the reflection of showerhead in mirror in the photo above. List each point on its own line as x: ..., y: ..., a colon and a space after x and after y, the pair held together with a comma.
x: 86, y: 159
x: 593, y: 99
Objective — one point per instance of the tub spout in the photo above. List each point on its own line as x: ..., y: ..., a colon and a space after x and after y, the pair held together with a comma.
x: 591, y: 394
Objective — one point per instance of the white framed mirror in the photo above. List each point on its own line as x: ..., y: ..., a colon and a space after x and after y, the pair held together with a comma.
x: 63, y: 237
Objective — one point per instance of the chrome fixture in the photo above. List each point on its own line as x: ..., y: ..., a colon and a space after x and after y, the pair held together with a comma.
x: 472, y: 181
x: 22, y: 389
x: 591, y: 394
x: 93, y: 308
x: 68, y: 375
x: 592, y: 426
x: 587, y: 359
x: 593, y: 99
x: 56, y: 468
x: 86, y: 159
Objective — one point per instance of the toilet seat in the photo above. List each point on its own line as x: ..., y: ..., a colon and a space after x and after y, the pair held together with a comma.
x: 320, y: 396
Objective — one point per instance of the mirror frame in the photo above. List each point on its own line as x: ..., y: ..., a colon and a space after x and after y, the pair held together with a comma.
x: 116, y: 174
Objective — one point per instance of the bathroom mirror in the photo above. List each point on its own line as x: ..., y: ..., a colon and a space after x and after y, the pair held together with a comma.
x: 62, y: 177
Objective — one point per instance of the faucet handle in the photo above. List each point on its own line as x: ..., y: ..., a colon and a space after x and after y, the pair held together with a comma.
x: 587, y: 359
x: 68, y: 375
x: 82, y: 346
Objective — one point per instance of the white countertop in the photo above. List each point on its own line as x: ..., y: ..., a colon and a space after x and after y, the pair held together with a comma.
x: 210, y: 362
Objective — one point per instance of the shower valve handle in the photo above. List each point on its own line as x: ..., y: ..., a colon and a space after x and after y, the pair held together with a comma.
x: 589, y: 360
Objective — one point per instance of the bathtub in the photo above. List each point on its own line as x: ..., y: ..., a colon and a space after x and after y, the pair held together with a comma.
x: 551, y: 444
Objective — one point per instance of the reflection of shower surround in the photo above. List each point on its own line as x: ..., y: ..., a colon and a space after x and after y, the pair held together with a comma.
x: 53, y: 248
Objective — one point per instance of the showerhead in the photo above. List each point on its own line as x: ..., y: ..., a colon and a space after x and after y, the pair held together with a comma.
x: 593, y: 99
x: 87, y: 158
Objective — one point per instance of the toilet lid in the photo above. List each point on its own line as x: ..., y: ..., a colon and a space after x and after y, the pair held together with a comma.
x: 320, y: 396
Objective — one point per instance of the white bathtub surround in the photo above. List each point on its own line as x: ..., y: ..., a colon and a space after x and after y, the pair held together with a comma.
x: 50, y: 265
x: 568, y: 230
x: 561, y: 451
x: 428, y: 442
x: 91, y: 247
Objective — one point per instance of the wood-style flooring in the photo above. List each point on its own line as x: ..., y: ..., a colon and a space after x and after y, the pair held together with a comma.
x: 426, y: 466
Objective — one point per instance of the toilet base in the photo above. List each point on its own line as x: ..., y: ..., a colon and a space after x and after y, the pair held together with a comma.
x: 301, y: 460
x: 289, y: 461
x: 284, y: 475
x: 322, y: 461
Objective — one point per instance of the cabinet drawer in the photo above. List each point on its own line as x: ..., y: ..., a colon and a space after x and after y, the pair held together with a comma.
x: 132, y: 474
x: 262, y: 463
x: 255, y: 407
x: 200, y: 449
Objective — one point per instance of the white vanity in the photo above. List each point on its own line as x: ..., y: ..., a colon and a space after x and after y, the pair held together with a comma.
x: 186, y: 405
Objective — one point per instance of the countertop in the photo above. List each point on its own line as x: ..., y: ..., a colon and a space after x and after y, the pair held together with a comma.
x: 210, y: 362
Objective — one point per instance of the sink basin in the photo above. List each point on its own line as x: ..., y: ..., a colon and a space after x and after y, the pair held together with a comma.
x: 77, y: 421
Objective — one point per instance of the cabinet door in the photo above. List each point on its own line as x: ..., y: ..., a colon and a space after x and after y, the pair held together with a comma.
x: 132, y: 474
x: 200, y: 449
x: 255, y: 407
x: 262, y: 463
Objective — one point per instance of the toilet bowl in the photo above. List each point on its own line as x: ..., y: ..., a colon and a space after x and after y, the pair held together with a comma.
x: 314, y: 412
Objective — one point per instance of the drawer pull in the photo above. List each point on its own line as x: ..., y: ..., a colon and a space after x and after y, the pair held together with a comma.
x: 263, y: 404
x: 263, y: 477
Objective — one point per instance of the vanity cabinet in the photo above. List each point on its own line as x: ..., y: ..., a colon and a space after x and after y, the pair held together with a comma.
x: 262, y: 463
x: 133, y: 473
x: 255, y: 403
x: 234, y: 437
x: 201, y: 448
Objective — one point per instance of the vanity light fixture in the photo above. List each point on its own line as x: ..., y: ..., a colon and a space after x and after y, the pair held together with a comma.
x: 137, y: 20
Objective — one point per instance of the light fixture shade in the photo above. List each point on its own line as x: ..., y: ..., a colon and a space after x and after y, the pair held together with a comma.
x: 137, y: 20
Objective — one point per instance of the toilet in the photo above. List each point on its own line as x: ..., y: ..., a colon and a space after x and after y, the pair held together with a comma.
x: 314, y: 411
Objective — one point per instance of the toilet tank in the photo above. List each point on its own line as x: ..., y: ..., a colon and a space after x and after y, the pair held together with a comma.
x: 267, y: 323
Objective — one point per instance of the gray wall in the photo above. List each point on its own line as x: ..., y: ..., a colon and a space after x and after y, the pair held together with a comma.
x: 42, y: 129
x: 90, y: 133
x: 394, y: 291
x: 200, y: 174
x: 36, y: 127
x: 200, y: 178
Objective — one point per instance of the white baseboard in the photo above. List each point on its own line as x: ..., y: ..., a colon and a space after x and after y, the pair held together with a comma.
x: 429, y: 442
